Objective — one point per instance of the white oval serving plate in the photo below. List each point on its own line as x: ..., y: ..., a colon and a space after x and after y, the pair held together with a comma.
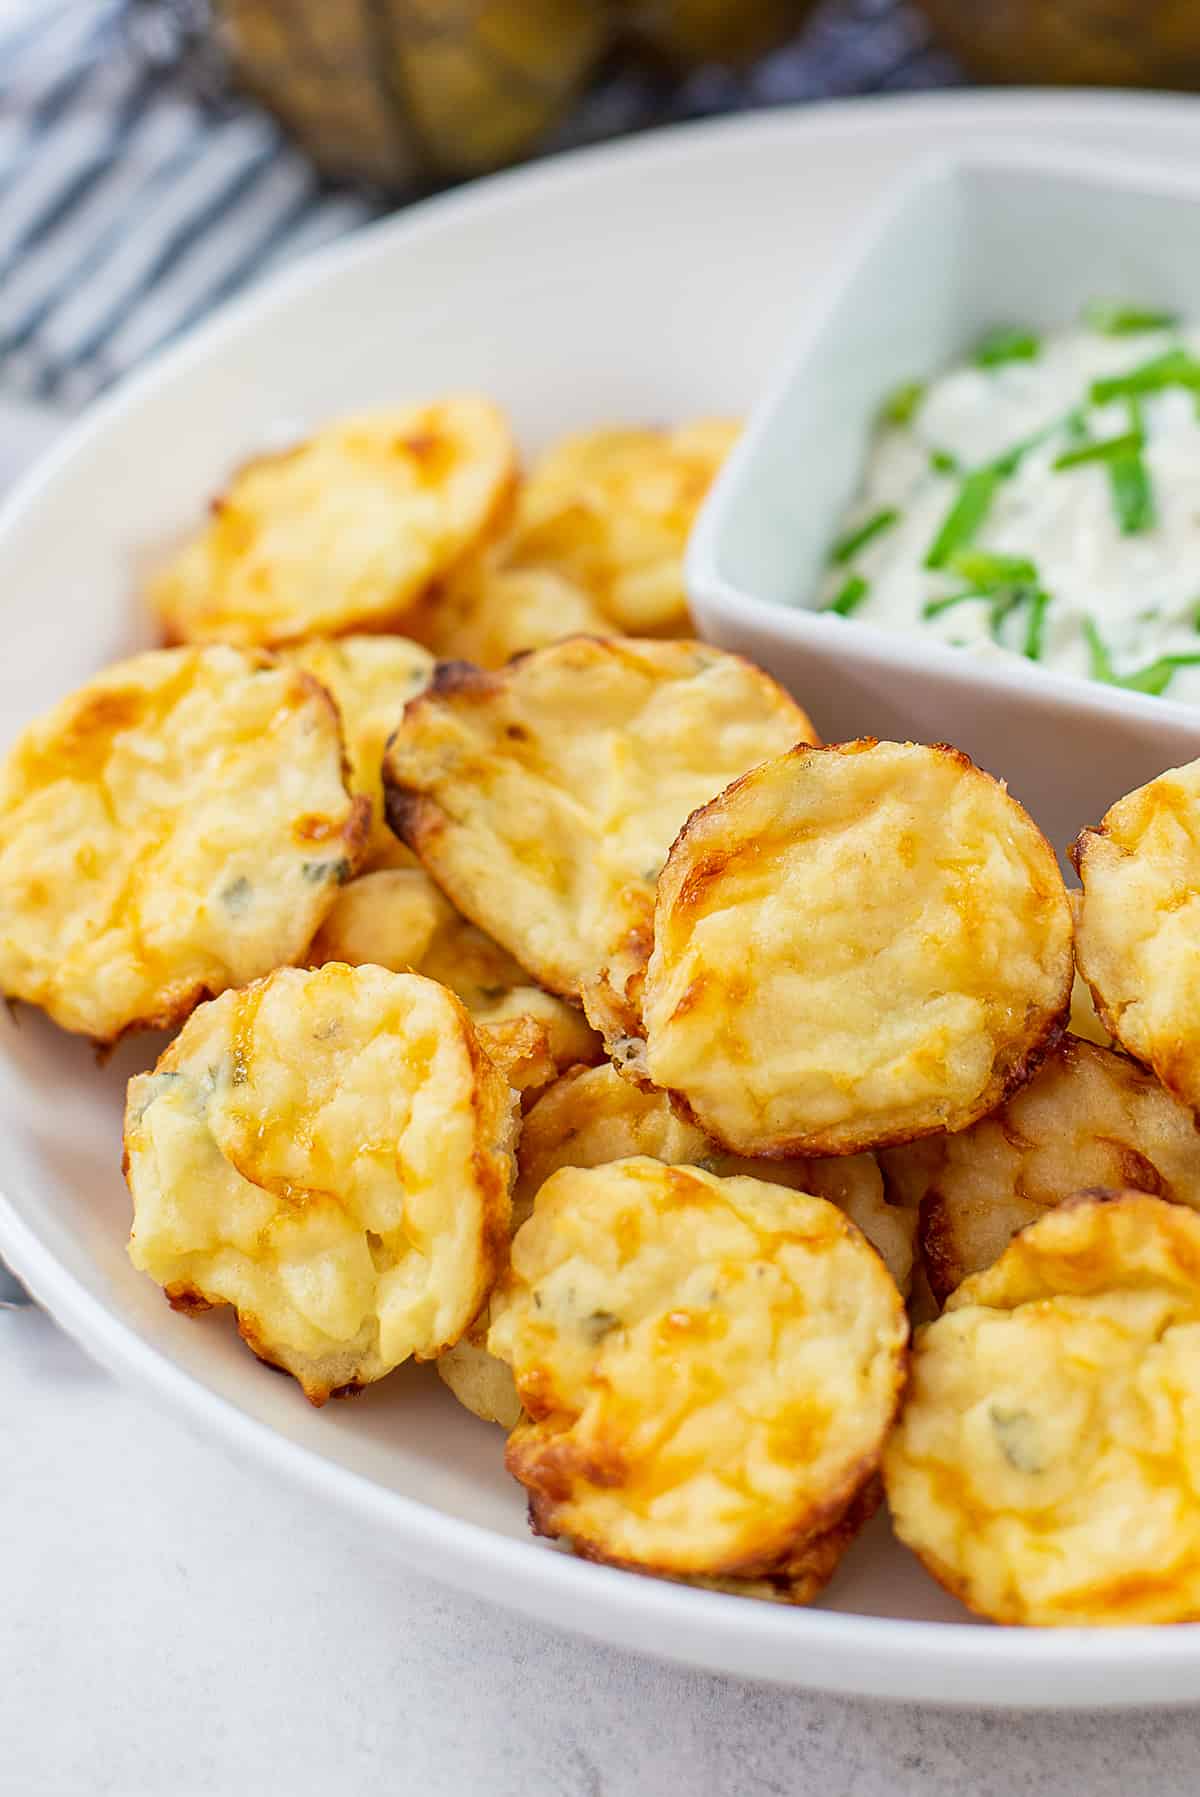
x: 660, y: 278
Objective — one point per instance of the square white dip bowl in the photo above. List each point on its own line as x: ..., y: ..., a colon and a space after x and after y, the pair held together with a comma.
x: 965, y: 244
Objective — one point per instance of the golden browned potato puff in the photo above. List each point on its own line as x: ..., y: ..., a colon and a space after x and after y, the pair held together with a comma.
x: 854, y: 946
x: 1044, y: 1464
x: 331, y: 1152
x: 543, y: 798
x: 179, y: 825
x: 1138, y: 939
x: 371, y: 679
x: 397, y: 918
x: 1089, y: 1116
x: 595, y: 544
x: 592, y: 1116
x: 612, y: 511
x: 487, y: 612
x: 345, y: 531
x: 801, y: 1579
x: 709, y: 1367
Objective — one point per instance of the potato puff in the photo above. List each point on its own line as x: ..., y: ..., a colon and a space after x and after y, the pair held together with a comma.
x: 344, y: 531
x: 709, y: 1367
x: 591, y: 1117
x: 1044, y: 1465
x: 397, y: 918
x: 179, y: 825
x: 371, y: 679
x: 1138, y: 936
x: 853, y: 946
x: 543, y: 798
x: 1088, y: 1114
x: 611, y: 511
x: 802, y: 1578
x: 331, y: 1152
x: 487, y: 612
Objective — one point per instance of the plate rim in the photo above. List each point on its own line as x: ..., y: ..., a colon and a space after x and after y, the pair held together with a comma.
x: 848, y: 1652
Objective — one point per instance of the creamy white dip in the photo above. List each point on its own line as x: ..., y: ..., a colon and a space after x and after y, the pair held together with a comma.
x: 1092, y: 567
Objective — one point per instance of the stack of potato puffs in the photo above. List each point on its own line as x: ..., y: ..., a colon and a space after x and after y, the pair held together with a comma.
x: 551, y: 1005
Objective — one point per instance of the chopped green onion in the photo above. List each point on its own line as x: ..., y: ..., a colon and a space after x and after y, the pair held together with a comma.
x: 985, y: 570
x: 1114, y: 320
x: 850, y: 597
x: 1099, y: 660
x: 901, y: 403
x: 1006, y: 345
x: 1005, y: 601
x: 862, y: 534
x: 1175, y: 368
x: 1107, y: 450
x: 942, y: 462
x: 1157, y: 677
x: 1154, y: 678
x: 1035, y: 624
x: 965, y: 516
x: 933, y: 608
x: 1132, y: 496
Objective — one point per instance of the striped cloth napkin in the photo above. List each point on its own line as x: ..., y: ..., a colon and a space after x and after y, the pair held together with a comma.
x: 130, y: 205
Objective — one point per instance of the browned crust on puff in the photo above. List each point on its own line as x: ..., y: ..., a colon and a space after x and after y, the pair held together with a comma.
x: 1005, y: 1079
x: 802, y: 1579
x: 549, y: 1468
x: 494, y: 1167
x: 937, y: 1255
x: 1003, y: 1085
x: 935, y: 1234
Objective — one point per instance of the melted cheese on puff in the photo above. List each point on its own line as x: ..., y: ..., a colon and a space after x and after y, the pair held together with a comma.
x: 543, y: 798
x: 343, y: 532
x: 1047, y: 1462
x: 179, y: 825
x: 709, y: 1366
x: 854, y: 946
x: 329, y: 1151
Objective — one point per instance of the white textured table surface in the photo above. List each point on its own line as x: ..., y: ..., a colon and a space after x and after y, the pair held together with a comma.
x: 174, y: 1626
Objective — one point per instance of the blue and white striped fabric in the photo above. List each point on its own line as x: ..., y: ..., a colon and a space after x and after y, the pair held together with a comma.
x: 129, y: 206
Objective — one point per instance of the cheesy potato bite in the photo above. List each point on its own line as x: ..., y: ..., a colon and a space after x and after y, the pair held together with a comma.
x: 543, y: 798
x: 343, y: 532
x: 854, y: 946
x: 481, y: 1383
x: 397, y: 918
x: 612, y: 510
x: 1138, y: 938
x: 1044, y: 1465
x: 331, y: 1152
x: 802, y: 1578
x: 487, y: 613
x: 371, y: 678
x: 708, y: 1366
x: 179, y: 825
x: 1088, y: 1117
x: 590, y: 1117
